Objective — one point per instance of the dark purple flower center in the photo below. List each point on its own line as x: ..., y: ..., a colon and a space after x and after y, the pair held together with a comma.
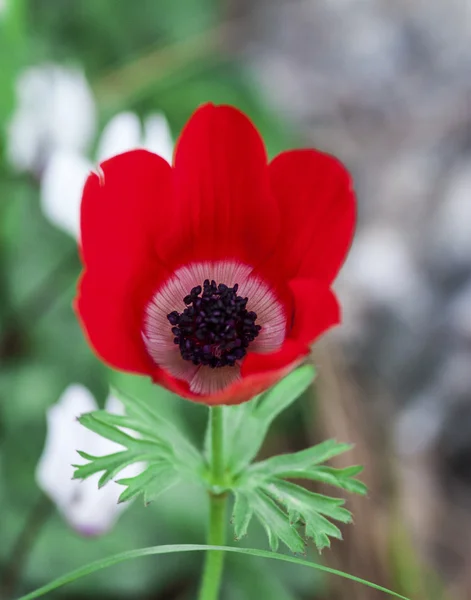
x: 216, y: 328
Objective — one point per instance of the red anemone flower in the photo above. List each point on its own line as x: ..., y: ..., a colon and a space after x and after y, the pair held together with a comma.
x: 213, y: 275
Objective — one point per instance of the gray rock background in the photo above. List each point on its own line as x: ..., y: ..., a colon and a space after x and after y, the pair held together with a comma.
x: 386, y: 86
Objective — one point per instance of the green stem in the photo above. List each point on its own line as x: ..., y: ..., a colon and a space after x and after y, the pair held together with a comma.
x: 212, y: 573
x: 217, y: 444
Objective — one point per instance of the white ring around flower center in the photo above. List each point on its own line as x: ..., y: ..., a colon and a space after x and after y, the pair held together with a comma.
x: 157, y: 331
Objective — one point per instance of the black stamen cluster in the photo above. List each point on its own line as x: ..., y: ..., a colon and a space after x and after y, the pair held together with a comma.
x: 215, y: 329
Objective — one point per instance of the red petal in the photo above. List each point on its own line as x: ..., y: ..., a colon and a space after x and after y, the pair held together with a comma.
x: 111, y: 317
x: 224, y: 207
x: 317, y: 205
x: 291, y: 353
x: 123, y: 209
x: 315, y: 310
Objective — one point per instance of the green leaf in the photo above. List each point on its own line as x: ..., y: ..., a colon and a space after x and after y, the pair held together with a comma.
x: 152, y: 482
x: 284, y: 393
x: 144, y: 429
x: 274, y: 522
x: 305, y: 465
x: 342, y: 478
x: 300, y: 505
x: 142, y: 413
x: 111, y: 426
x: 311, y: 509
x: 145, y: 438
x: 278, y: 504
x: 301, y: 461
x: 248, y: 424
x: 241, y: 515
x: 98, y: 422
x: 124, y: 556
x: 110, y: 464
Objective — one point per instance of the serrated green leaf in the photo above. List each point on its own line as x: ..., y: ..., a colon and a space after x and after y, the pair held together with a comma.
x: 298, y: 498
x: 320, y: 529
x: 96, y: 422
x: 100, y: 423
x: 152, y: 482
x: 311, y: 508
x: 86, y: 456
x: 246, y: 442
x: 301, y: 505
x: 301, y: 461
x: 275, y: 522
x: 111, y: 464
x: 142, y: 413
x: 241, y: 515
x: 305, y: 465
x: 284, y: 393
x: 145, y: 430
x: 342, y: 478
x: 247, y: 426
x: 347, y: 471
x: 111, y: 426
x: 145, y: 438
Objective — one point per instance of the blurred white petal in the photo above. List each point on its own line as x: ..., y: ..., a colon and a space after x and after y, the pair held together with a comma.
x: 120, y: 134
x: 61, y: 190
x: 74, y: 118
x: 55, y: 109
x: 64, y: 433
x: 115, y: 406
x: 158, y: 137
x: 22, y: 141
x: 89, y: 510
x: 25, y: 133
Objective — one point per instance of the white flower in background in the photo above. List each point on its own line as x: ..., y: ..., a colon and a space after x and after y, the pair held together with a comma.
x: 89, y: 510
x: 124, y: 132
x: 65, y: 174
x: 55, y: 109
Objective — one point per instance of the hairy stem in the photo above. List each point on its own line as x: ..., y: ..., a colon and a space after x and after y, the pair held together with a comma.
x: 212, y: 573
